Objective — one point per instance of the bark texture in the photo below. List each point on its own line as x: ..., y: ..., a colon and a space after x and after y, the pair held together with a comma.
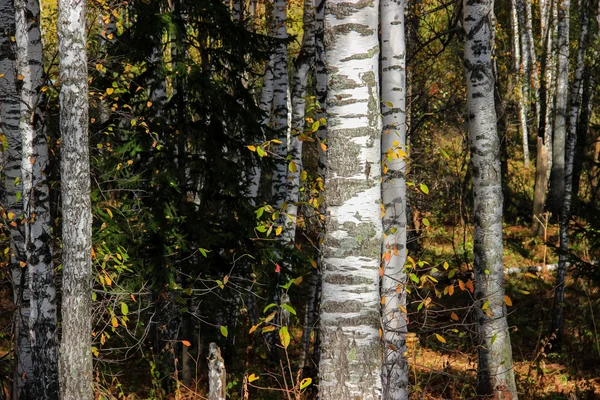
x: 350, y: 364
x: 495, y: 373
x: 560, y: 117
x: 76, y: 346
x: 42, y: 382
x: 393, y: 151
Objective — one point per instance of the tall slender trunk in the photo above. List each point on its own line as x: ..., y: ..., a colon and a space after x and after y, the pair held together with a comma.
x: 518, y: 62
x: 303, y: 67
x: 350, y: 365
x: 321, y: 83
x: 41, y: 328
x: 280, y: 103
x: 546, y: 111
x: 532, y: 67
x: 576, y: 93
x: 393, y: 150
x: 10, y: 112
x: 75, y: 351
x: 495, y: 373
x: 560, y: 117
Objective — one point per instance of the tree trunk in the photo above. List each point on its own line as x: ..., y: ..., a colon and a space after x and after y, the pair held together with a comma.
x: 350, y: 365
x: 532, y: 66
x: 560, y: 117
x: 280, y: 103
x: 518, y: 62
x: 304, y: 63
x: 75, y: 351
x: 495, y: 373
x: 546, y: 111
x: 41, y: 328
x: 393, y: 150
x: 321, y: 83
x: 12, y: 197
x: 217, y: 384
x: 576, y: 93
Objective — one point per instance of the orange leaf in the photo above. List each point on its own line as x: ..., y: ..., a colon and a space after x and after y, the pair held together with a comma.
x: 470, y: 286
x: 461, y: 284
x: 451, y: 290
x: 508, y: 301
x: 186, y: 343
x: 454, y: 316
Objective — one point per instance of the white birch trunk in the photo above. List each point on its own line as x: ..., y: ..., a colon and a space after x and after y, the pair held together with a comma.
x: 495, y: 373
x: 43, y: 382
x: 560, y: 116
x: 517, y: 63
x: 12, y: 197
x: 576, y: 93
x: 321, y: 82
x: 75, y: 351
x: 350, y: 365
x: 280, y: 104
x: 304, y: 63
x: 393, y: 150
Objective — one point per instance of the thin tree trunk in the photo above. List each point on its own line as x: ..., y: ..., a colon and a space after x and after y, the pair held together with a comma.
x: 350, y: 365
x: 532, y: 67
x: 518, y: 63
x: 393, y: 150
x: 280, y: 103
x: 12, y: 198
x: 321, y: 84
x: 75, y: 351
x: 546, y: 101
x: 304, y: 63
x: 576, y: 93
x: 560, y: 117
x: 495, y: 373
x: 217, y: 383
x: 43, y: 382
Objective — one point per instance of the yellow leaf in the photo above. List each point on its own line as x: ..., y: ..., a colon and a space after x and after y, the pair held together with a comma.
x: 252, y: 148
x: 305, y: 382
x: 186, y: 343
x: 446, y: 265
x: 454, y: 316
x: 278, y: 230
x: 133, y: 122
x: 254, y: 327
x: 129, y: 162
x: 292, y: 167
x: 313, y: 263
x: 268, y: 328
x: 403, y: 309
x: 508, y: 301
x: 115, y: 322
x: 95, y: 351
x: 110, y: 36
x: 22, y: 264
x: 440, y: 338
x: 149, y: 104
x: 110, y: 214
x: 225, y: 279
x: 1, y: 76
x: 530, y: 275
x: 110, y: 91
x: 253, y: 378
x: 284, y: 336
x: 451, y: 290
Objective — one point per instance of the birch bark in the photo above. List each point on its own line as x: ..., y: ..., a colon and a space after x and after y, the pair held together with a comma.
x: 518, y: 62
x: 42, y: 383
x: 10, y: 113
x: 303, y: 67
x: 495, y: 374
x: 576, y: 93
x: 76, y: 347
x: 350, y: 364
x: 393, y: 151
x: 560, y: 117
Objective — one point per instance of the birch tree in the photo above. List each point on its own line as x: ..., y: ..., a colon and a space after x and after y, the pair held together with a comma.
x: 303, y: 68
x: 10, y: 112
x: 280, y: 102
x: 495, y: 374
x: 42, y: 382
x: 350, y: 364
x: 543, y: 164
x: 75, y: 351
x: 518, y: 61
x: 393, y: 147
x: 574, y: 110
x: 560, y: 117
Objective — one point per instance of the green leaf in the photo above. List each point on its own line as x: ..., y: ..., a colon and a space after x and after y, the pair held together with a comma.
x: 261, y: 228
x: 224, y: 331
x: 426, y: 222
x: 424, y: 188
x: 494, y: 338
x: 292, y: 167
x: 486, y: 305
x: 18, y: 196
x: 451, y: 273
x: 260, y: 151
x: 203, y: 251
x: 124, y: 308
x: 414, y: 278
x: 315, y: 126
x: 260, y: 212
x: 289, y: 308
x: 284, y: 336
x: 389, y: 104
x: 269, y: 306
